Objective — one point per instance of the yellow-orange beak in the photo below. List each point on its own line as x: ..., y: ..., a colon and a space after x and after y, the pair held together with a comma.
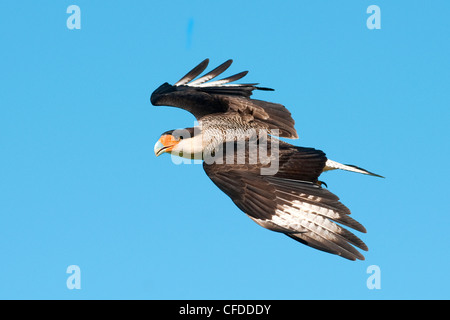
x: 165, y: 144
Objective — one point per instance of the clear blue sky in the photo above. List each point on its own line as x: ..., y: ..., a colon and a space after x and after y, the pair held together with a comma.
x: 80, y: 185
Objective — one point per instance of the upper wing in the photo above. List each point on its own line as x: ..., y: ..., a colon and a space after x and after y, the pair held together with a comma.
x: 202, y: 97
x: 290, y: 201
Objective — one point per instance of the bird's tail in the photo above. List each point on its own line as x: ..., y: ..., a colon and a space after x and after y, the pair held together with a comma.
x: 333, y: 165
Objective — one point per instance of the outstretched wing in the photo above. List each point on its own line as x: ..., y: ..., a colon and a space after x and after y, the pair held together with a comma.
x: 290, y: 201
x: 203, y: 97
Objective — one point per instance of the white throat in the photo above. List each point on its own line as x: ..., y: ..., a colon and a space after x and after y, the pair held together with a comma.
x: 191, y: 148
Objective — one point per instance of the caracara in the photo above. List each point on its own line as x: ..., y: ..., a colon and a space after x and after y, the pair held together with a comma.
x: 275, y: 183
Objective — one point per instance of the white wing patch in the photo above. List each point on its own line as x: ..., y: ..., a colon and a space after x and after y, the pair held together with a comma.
x: 315, y: 223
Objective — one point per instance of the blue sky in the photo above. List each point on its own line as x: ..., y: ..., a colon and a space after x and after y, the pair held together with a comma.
x: 80, y: 185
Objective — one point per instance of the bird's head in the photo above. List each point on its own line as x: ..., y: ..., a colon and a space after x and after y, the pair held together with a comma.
x: 166, y: 143
x: 178, y: 142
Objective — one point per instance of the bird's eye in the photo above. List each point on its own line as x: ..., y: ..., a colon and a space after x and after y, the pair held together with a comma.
x: 180, y: 138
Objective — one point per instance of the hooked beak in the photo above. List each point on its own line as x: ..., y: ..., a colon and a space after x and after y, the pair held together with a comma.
x: 159, y: 148
x: 165, y: 144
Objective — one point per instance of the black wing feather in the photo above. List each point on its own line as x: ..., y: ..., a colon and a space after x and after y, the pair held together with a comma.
x: 214, y: 73
x: 193, y: 73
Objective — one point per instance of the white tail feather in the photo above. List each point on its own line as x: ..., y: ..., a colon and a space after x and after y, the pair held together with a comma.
x: 333, y: 165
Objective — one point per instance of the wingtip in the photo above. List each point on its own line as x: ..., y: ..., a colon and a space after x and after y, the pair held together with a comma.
x: 212, y: 74
x: 193, y: 73
x: 204, y: 64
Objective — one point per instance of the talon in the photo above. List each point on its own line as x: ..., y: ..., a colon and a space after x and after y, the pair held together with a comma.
x: 320, y: 183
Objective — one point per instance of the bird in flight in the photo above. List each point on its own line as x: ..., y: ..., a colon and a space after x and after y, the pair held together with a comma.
x: 275, y: 183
